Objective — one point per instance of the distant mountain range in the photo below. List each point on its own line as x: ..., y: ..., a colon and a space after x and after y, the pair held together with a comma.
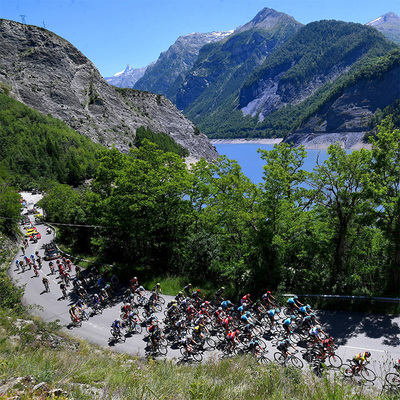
x: 269, y: 76
x: 128, y: 77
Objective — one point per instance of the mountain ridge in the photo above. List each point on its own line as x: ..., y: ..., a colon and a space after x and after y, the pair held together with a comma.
x: 47, y: 73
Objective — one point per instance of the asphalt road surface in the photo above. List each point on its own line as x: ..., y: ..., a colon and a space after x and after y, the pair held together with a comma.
x: 354, y: 332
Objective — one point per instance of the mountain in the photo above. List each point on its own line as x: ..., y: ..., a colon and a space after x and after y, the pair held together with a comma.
x: 389, y: 25
x: 352, y: 104
x: 176, y: 61
x: 126, y: 78
x: 290, y: 82
x: 212, y: 87
x: 47, y: 73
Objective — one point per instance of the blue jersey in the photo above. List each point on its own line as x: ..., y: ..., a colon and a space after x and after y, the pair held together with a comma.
x: 287, y: 321
x: 291, y: 301
x: 271, y: 313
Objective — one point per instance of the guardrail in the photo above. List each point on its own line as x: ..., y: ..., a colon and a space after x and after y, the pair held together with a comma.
x: 342, y: 297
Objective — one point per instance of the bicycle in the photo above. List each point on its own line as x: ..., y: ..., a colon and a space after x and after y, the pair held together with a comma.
x: 350, y: 371
x: 46, y: 286
x: 134, y: 327
x: 117, y: 335
x: 197, y: 356
x: 290, y: 359
x: 393, y: 379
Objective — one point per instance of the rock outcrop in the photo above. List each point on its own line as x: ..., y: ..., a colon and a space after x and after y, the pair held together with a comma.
x: 47, y: 73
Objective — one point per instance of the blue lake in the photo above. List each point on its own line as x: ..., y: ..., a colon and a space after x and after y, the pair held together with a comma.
x: 250, y: 161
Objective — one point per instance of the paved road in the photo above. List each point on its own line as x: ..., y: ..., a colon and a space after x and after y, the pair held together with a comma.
x: 354, y: 332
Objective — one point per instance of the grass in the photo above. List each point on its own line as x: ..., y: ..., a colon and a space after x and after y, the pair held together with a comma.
x: 90, y: 373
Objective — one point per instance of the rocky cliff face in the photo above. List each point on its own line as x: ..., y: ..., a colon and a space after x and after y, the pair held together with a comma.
x: 176, y: 61
x: 49, y: 74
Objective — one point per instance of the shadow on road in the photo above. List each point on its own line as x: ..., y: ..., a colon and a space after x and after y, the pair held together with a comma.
x: 343, y: 326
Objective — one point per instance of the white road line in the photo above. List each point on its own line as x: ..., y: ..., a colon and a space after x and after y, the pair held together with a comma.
x: 364, y: 348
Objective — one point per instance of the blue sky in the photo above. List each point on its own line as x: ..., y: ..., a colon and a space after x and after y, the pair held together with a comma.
x: 114, y: 33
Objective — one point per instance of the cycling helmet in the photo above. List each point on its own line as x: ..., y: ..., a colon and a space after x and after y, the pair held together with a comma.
x: 268, y: 291
x: 189, y: 284
x: 180, y: 293
x: 295, y: 297
x: 158, y: 284
x: 292, y: 317
x: 223, y: 288
x: 135, y: 277
x: 219, y: 308
x: 96, y: 295
x: 318, y: 327
x: 367, y: 354
x: 278, y: 310
x: 287, y: 341
x: 308, y: 306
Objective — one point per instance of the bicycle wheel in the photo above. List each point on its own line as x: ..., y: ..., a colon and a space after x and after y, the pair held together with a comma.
x: 368, y: 374
x: 137, y: 328
x: 157, y: 308
x: 211, y: 343
x: 296, y: 362
x: 347, y: 371
x: 163, y: 350
x: 197, y: 356
x: 295, y: 337
x: 392, y: 379
x: 262, y: 344
x: 161, y: 300
x: 122, y: 337
x: 335, y: 361
x: 279, y: 357
x: 183, y: 352
x: 264, y: 360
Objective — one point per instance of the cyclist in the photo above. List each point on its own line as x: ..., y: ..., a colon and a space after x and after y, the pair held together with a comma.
x: 287, y: 324
x: 314, y: 334
x: 116, y: 326
x: 254, y: 346
x: 73, y: 314
x: 63, y: 289
x: 51, y: 266
x: 226, y: 304
x: 134, y: 283
x: 179, y: 297
x: 293, y: 303
x: 271, y: 315
x: 189, y: 344
x: 359, y: 359
x: 157, y: 289
x: 245, y: 299
x: 268, y: 299
x: 46, y: 283
x: 283, y: 347
x: 225, y: 323
x: 17, y: 264
x: 188, y: 289
x: 219, y: 293
x: 231, y: 338
x: 198, y: 335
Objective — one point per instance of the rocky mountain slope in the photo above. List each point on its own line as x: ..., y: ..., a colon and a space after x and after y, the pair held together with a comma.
x: 126, y: 78
x: 221, y: 68
x: 389, y: 25
x: 47, y: 73
x: 350, y: 107
x: 174, y: 63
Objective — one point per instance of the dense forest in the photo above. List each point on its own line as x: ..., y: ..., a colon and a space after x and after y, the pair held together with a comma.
x: 327, y: 231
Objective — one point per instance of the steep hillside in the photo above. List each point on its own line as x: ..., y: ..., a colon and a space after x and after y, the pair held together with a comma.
x: 293, y: 80
x: 389, y: 25
x: 222, y: 67
x: 176, y: 61
x: 350, y: 107
x: 47, y: 73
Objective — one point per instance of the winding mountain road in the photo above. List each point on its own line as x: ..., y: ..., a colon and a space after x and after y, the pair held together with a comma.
x: 353, y: 332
